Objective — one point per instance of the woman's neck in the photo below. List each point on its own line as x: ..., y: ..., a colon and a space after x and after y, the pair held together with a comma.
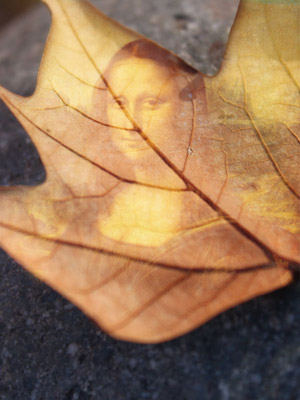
x: 143, y: 216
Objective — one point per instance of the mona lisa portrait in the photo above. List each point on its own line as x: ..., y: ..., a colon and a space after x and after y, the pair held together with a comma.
x: 149, y: 107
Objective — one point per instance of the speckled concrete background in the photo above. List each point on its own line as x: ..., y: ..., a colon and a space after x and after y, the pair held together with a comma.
x: 48, y: 349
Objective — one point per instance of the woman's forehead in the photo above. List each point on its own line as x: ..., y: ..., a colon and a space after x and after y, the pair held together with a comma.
x: 139, y: 70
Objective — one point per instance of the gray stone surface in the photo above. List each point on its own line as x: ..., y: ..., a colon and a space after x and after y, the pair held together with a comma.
x: 48, y: 349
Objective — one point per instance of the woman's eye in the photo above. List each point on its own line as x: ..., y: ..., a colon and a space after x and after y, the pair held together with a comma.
x: 153, y: 102
x: 150, y: 102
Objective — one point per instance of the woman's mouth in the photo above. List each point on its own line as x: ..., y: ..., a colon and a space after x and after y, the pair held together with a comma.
x: 127, y: 145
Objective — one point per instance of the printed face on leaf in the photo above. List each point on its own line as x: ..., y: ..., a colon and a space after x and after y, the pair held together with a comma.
x: 145, y: 92
x: 147, y: 103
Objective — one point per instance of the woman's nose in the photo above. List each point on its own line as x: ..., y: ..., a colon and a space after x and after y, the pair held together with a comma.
x: 136, y: 115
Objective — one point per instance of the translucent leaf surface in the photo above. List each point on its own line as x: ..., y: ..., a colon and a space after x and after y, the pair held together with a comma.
x: 170, y: 196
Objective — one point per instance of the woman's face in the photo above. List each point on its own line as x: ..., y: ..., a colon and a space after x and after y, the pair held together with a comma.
x: 148, y: 94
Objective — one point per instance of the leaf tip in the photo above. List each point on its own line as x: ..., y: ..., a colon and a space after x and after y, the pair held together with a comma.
x: 4, y: 93
x: 9, y: 98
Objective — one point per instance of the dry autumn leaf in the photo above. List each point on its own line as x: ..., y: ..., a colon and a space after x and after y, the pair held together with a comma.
x: 170, y: 196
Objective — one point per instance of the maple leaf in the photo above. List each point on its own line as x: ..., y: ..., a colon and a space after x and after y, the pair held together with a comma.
x: 170, y: 196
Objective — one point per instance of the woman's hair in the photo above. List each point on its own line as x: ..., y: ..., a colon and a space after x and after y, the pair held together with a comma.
x: 146, y: 49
